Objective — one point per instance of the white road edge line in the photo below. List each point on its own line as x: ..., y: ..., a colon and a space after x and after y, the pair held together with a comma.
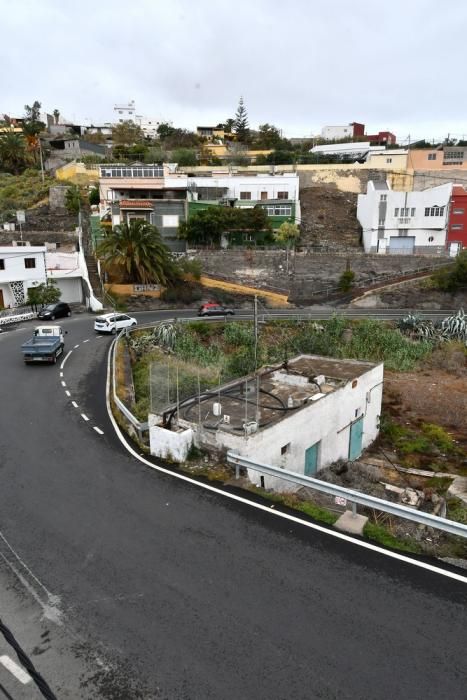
x: 74, y: 404
x: 16, y: 670
x: 98, y: 430
x: 84, y: 417
x: 67, y: 393
x: 268, y: 509
x: 66, y: 358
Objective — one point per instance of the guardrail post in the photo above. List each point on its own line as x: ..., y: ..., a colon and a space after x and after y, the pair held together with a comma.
x: 237, y: 471
x: 354, y: 509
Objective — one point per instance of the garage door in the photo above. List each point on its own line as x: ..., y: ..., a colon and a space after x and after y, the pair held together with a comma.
x: 401, y: 245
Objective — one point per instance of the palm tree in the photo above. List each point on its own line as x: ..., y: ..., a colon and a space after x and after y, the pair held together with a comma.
x: 12, y: 152
x: 56, y: 114
x: 138, y: 251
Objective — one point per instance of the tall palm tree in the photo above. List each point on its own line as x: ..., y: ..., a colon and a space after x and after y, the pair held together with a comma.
x: 138, y: 251
x: 13, y: 155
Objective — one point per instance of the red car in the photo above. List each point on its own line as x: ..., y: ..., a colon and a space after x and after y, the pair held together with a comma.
x: 212, y: 308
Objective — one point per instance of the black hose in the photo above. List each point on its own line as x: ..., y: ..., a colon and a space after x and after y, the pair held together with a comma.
x: 27, y: 663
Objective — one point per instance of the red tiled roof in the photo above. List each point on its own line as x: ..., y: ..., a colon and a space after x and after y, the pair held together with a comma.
x: 136, y: 204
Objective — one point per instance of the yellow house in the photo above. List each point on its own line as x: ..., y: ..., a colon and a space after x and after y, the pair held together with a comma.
x: 210, y: 132
x: 78, y: 173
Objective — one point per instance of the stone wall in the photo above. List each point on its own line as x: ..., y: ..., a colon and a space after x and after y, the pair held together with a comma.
x: 57, y: 198
x: 63, y: 239
x: 432, y: 178
x: 304, y: 274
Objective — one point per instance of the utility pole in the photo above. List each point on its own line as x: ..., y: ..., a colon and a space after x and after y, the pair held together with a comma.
x: 42, y: 160
x: 256, y: 330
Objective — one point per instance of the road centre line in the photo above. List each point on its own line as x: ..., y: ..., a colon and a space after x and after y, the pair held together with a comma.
x: 84, y: 417
x: 61, y: 374
x: 15, y: 669
x: 67, y: 393
x: 63, y: 383
x: 65, y: 359
x: 267, y: 508
x: 74, y: 404
x: 76, y: 346
x: 86, y: 341
x: 98, y: 430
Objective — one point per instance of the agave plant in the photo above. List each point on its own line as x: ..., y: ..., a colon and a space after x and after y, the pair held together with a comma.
x: 416, y: 327
x: 165, y: 335
x: 455, y: 326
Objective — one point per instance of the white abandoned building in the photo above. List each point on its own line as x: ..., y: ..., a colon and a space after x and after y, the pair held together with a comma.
x: 301, y: 416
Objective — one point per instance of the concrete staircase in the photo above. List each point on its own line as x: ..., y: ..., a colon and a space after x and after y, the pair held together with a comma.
x: 94, y: 278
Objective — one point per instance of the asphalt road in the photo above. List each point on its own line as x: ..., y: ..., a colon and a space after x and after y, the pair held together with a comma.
x: 164, y: 590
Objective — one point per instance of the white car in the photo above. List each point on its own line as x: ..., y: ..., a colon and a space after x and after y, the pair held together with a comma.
x: 112, y: 323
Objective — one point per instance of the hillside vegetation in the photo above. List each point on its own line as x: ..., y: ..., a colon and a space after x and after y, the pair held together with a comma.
x: 21, y: 192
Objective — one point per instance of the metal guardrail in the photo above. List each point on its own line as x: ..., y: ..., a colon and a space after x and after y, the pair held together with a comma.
x: 138, y: 426
x: 354, y: 497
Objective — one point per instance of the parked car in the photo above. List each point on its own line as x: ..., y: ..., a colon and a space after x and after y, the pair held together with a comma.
x: 212, y: 309
x: 113, y: 322
x: 53, y: 311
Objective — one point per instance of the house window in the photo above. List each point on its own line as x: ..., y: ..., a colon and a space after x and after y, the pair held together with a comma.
x: 431, y: 239
x: 29, y: 263
x: 457, y: 211
x: 279, y: 210
x: 396, y: 211
x: 245, y: 195
x: 457, y: 227
x: 381, y: 221
x: 2, y: 264
x: 282, y: 195
x: 412, y: 211
x: 285, y: 449
x: 432, y: 156
x: 388, y: 160
x: 170, y: 220
x: 383, y: 197
x: 454, y: 155
x: 264, y: 195
x: 434, y: 211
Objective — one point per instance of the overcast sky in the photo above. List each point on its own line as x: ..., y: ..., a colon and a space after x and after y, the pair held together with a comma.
x: 299, y: 64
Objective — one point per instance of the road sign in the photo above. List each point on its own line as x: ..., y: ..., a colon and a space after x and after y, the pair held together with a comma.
x: 21, y: 216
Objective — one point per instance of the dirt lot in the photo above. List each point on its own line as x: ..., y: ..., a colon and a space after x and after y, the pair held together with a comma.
x: 431, y: 396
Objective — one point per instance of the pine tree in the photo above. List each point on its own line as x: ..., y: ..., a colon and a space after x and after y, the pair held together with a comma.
x: 241, y: 123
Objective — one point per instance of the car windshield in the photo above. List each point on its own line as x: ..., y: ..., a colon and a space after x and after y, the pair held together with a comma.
x: 49, y: 307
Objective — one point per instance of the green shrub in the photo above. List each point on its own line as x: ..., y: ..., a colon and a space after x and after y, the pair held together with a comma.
x: 346, y: 280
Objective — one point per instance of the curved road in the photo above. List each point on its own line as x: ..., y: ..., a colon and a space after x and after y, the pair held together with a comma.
x: 169, y: 591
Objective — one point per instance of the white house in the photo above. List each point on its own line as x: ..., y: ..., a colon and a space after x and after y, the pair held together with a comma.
x: 402, y: 223
x: 21, y: 267
x: 306, y: 415
x: 246, y: 188
x: 64, y: 269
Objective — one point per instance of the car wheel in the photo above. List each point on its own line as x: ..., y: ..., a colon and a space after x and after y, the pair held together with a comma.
x: 113, y: 331
x: 134, y: 323
x: 52, y: 318
x: 68, y: 314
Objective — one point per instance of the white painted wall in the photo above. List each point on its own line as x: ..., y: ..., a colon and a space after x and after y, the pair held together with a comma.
x: 272, y: 184
x: 327, y: 421
x: 15, y: 269
x: 167, y: 444
x: 337, y: 132
x: 374, y: 212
